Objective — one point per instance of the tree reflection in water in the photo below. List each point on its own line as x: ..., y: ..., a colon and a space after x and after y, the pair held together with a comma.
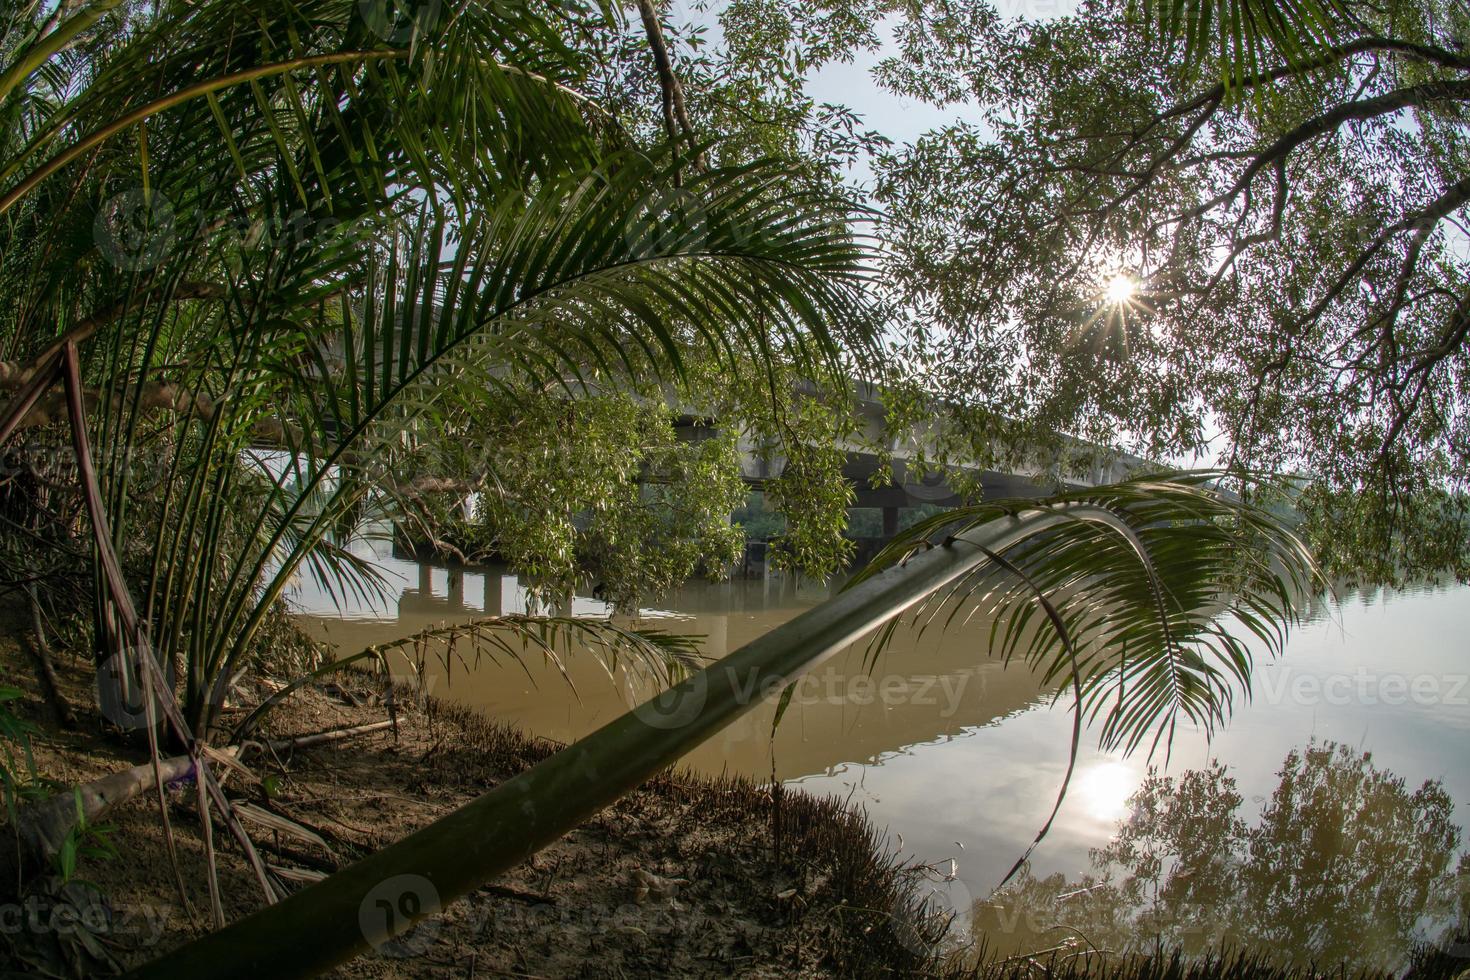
x: 1345, y: 863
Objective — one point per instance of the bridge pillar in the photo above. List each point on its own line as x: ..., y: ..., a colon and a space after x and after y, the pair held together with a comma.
x: 426, y: 579
x: 456, y: 589
x: 890, y: 521
x: 494, y: 601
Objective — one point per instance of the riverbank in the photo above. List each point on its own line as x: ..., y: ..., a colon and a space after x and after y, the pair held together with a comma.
x: 687, y: 876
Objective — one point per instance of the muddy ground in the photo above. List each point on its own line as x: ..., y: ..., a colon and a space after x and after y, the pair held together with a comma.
x: 681, y: 878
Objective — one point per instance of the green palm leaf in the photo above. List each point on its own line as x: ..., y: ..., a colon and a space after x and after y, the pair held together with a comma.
x: 363, y: 226
x: 1161, y: 584
x: 593, y: 275
x: 1237, y: 36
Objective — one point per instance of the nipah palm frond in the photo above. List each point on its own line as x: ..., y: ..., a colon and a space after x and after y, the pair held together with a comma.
x: 1166, y: 586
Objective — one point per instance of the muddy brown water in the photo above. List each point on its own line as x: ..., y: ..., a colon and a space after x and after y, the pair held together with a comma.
x: 960, y: 756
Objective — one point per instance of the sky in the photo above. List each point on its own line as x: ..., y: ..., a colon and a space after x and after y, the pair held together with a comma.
x: 900, y: 119
x: 852, y: 84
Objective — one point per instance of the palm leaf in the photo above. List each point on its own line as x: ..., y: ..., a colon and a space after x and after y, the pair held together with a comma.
x: 1161, y: 583
x: 490, y: 222
x: 571, y: 785
x: 1238, y: 36
x: 591, y: 274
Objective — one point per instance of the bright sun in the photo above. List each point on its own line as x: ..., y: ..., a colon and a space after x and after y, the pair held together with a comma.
x: 1120, y: 289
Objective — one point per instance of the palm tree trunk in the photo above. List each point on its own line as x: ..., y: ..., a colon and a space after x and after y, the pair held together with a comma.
x: 330, y: 922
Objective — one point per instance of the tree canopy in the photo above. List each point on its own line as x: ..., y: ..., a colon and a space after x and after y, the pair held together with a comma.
x: 274, y: 269
x: 1273, y: 263
x: 1235, y: 230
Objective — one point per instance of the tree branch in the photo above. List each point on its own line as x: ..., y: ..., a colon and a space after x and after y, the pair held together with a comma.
x: 1415, y: 95
x: 676, y: 114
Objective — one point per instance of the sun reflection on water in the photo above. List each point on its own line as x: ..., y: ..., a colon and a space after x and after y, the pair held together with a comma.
x: 1104, y: 789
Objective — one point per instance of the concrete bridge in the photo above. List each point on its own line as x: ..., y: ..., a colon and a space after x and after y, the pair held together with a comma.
x: 1080, y: 465
x: 1086, y: 465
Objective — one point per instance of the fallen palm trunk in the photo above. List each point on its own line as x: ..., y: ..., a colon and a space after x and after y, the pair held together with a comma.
x: 41, y: 828
x: 383, y: 895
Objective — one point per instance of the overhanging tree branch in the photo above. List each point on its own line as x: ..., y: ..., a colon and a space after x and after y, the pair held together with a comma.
x: 676, y: 113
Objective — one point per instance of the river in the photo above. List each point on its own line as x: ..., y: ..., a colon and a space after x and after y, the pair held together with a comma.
x: 960, y: 757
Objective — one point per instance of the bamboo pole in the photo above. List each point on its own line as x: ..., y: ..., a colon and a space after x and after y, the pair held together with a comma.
x: 384, y: 894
